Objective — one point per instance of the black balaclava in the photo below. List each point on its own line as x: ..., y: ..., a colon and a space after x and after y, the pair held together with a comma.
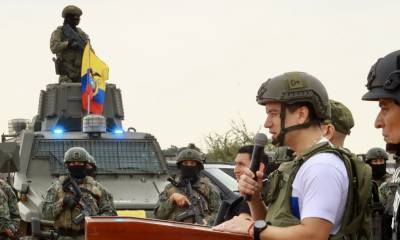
x: 190, y: 173
x: 91, y: 171
x: 378, y: 171
x: 78, y: 172
x: 72, y: 20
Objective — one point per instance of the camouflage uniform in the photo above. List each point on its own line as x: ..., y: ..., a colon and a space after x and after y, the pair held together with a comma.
x: 69, y: 60
x: 62, y: 212
x: 203, y: 189
x: 9, y: 214
x: 52, y: 206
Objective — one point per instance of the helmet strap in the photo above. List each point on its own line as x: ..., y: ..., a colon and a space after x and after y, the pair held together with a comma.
x: 281, y: 136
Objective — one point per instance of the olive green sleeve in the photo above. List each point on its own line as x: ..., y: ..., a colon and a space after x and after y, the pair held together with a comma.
x: 56, y: 43
x: 164, y: 206
x: 13, y: 208
x: 106, y: 204
x: 52, y: 206
x: 214, y: 203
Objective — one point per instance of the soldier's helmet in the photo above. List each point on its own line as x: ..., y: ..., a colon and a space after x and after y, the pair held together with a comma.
x: 376, y: 153
x: 384, y: 79
x: 296, y: 87
x: 76, y: 154
x: 341, y: 117
x: 189, y: 153
x: 71, y: 10
x: 91, y: 160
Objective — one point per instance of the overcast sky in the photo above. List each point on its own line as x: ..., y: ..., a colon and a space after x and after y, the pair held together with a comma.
x: 187, y: 68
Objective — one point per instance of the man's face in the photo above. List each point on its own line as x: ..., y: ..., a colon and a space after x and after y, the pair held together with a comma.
x: 273, y: 121
x: 377, y: 161
x: 389, y: 120
x: 189, y: 163
x: 242, y: 161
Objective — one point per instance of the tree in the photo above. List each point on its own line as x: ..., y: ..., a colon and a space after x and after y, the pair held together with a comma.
x: 223, y: 147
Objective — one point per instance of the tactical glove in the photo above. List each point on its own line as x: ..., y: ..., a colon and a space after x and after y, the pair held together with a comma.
x: 73, y: 45
x: 69, y: 202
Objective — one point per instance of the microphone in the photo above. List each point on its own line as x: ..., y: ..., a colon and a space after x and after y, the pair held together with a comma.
x: 260, y: 140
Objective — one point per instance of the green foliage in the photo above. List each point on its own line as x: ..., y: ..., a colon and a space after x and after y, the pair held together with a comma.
x: 223, y: 147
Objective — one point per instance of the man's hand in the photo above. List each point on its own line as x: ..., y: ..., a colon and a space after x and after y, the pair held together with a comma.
x: 73, y: 45
x: 69, y: 202
x: 179, y: 199
x: 235, y: 225
x: 248, y: 186
x: 9, y: 233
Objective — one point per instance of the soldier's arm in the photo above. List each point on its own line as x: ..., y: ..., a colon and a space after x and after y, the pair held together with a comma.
x: 52, y: 206
x: 213, y: 205
x: 106, y: 205
x: 4, y: 212
x: 56, y: 44
x: 13, y: 209
x: 164, y: 206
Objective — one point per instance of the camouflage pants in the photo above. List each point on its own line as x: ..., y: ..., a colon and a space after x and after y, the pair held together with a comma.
x: 66, y: 79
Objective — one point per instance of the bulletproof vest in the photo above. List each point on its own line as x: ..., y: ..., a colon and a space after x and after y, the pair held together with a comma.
x: 280, y: 191
x: 71, y: 59
x: 201, y: 190
x: 90, y: 190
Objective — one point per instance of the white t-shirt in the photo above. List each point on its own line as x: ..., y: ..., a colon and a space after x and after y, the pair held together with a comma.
x: 320, y: 189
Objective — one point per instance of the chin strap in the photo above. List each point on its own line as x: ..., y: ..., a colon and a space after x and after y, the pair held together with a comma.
x: 281, y: 136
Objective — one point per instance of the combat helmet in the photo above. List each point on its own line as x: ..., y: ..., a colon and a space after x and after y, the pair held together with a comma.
x: 384, y: 79
x: 92, y: 161
x: 190, y: 153
x: 71, y: 9
x: 376, y: 153
x: 76, y: 154
x: 341, y: 117
x: 291, y: 88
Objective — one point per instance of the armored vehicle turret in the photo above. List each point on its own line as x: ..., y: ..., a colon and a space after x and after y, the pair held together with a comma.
x: 130, y: 164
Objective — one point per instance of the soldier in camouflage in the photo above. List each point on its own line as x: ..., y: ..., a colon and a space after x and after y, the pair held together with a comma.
x: 173, y: 201
x: 376, y: 158
x: 68, y: 51
x: 91, y: 169
x: 338, y: 126
x: 9, y: 214
x: 61, y: 203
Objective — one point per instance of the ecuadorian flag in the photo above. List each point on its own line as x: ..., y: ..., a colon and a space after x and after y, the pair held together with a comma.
x: 94, y: 73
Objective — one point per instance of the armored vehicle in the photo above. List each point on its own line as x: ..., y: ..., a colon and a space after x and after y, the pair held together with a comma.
x: 130, y: 164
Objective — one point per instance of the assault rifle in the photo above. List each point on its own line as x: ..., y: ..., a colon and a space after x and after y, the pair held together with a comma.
x: 73, y: 36
x: 83, y: 200
x: 195, y: 210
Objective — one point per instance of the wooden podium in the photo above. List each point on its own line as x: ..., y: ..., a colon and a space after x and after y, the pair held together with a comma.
x: 118, y: 228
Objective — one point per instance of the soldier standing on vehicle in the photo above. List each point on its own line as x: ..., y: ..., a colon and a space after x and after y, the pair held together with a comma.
x: 9, y: 214
x: 68, y: 42
x: 308, y: 196
x: 75, y: 196
x: 175, y: 202
x: 384, y: 86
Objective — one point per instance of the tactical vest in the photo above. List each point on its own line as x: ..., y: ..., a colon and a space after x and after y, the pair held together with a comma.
x: 89, y: 189
x: 71, y: 59
x: 201, y: 190
x: 280, y: 191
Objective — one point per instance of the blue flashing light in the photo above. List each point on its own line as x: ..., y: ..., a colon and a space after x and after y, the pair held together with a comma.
x: 58, y: 130
x: 118, y: 131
